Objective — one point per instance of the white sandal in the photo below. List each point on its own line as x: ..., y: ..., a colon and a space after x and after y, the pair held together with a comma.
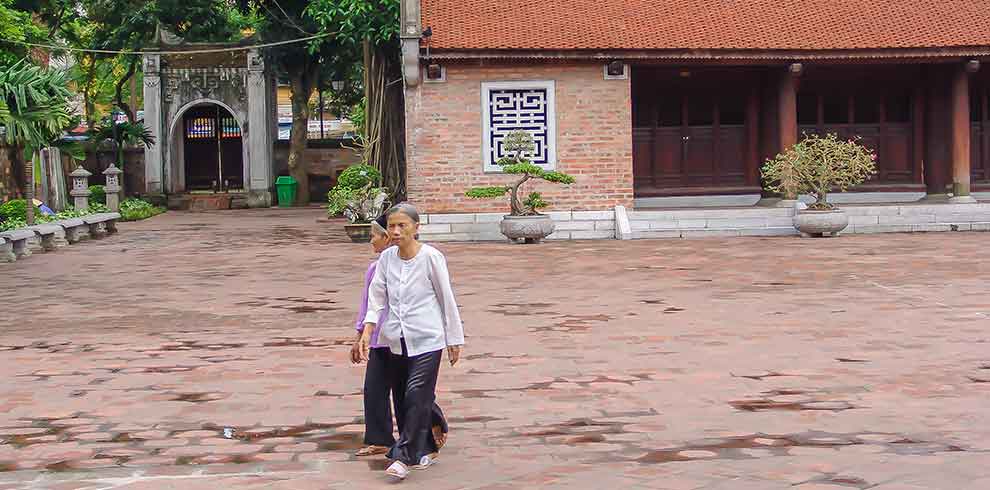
x: 398, y: 470
x: 426, y: 461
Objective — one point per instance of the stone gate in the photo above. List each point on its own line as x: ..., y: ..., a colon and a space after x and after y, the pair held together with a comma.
x: 213, y: 119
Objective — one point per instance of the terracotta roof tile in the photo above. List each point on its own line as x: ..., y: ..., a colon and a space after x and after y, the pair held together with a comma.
x: 705, y: 24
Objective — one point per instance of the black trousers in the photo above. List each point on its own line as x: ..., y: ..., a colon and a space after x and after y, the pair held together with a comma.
x: 377, y: 406
x: 414, y: 383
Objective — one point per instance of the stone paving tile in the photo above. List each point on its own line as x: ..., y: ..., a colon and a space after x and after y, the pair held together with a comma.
x: 210, y: 351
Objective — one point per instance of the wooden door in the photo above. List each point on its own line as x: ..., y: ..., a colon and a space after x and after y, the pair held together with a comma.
x: 213, y: 150
x: 980, y: 134
x: 689, y: 137
x: 884, y: 122
x: 202, y: 155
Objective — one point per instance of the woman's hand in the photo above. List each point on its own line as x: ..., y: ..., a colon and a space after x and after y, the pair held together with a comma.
x: 365, y: 342
x: 356, y: 350
x: 454, y: 354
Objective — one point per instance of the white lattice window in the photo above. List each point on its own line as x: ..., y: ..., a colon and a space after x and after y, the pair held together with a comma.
x: 511, y: 106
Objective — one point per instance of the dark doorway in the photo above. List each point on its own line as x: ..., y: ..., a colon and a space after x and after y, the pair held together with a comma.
x: 213, y: 150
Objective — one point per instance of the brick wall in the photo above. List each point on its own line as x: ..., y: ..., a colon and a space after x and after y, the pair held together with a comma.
x: 594, y: 141
x: 98, y: 161
x: 324, y: 165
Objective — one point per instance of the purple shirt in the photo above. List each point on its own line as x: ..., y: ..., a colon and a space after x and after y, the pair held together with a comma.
x: 363, y: 311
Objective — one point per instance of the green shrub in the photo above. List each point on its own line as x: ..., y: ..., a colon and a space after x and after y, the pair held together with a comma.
x: 130, y: 210
x: 16, y: 209
x: 98, y: 194
x: 95, y: 207
x: 818, y: 165
x: 12, y: 224
x: 358, y: 176
x: 137, y: 209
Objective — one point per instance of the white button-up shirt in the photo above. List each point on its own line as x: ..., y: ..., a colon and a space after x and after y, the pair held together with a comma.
x: 421, y: 305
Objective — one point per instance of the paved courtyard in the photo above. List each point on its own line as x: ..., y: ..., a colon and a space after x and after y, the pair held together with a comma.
x: 209, y: 351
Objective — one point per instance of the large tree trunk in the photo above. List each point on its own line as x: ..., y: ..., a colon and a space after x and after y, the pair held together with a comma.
x: 302, y: 90
x: 29, y: 189
x: 384, y: 131
x: 118, y: 94
x: 88, y: 104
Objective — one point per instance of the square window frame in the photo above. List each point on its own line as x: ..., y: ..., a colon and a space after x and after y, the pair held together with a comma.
x: 443, y: 74
x: 491, y: 167
x: 623, y: 76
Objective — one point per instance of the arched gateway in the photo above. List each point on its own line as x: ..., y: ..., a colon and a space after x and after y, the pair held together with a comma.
x: 212, y: 118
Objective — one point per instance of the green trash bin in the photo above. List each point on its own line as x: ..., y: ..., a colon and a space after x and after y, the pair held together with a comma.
x: 285, y: 187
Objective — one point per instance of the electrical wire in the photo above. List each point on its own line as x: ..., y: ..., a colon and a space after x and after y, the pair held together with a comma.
x: 191, y: 51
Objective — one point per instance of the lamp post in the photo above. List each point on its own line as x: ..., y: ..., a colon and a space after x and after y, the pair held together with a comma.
x: 112, y: 174
x: 80, y: 188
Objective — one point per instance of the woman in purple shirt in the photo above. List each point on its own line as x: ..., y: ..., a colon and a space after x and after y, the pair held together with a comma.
x: 378, y: 436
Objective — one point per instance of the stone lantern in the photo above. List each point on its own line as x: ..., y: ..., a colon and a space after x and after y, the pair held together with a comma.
x: 113, y: 187
x: 80, y: 188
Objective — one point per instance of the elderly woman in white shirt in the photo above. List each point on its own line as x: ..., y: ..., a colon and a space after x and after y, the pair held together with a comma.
x: 422, y: 321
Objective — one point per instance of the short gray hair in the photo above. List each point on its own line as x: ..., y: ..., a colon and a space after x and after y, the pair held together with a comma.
x: 377, y: 228
x: 406, y: 209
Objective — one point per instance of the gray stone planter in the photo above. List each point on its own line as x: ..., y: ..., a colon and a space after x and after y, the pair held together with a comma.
x: 358, y: 232
x: 817, y: 223
x: 529, y: 229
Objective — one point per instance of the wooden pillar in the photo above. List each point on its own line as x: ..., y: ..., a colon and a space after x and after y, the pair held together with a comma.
x: 938, y: 158
x: 918, y: 128
x: 787, y: 112
x: 753, y: 138
x: 961, y: 156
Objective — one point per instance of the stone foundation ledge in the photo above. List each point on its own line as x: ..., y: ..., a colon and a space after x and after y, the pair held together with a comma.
x: 482, y: 227
x: 887, y: 218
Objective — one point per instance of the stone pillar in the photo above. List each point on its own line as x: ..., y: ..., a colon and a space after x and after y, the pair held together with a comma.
x: 410, y: 32
x: 259, y: 138
x: 960, y: 132
x: 153, y: 122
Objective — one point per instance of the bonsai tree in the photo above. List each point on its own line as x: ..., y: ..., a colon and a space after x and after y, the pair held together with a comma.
x: 518, y: 144
x: 818, y: 165
x: 358, y: 195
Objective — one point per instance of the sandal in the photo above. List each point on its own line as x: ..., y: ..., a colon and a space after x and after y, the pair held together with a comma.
x: 426, y: 461
x: 397, y: 470
x: 371, y: 451
x: 439, y: 436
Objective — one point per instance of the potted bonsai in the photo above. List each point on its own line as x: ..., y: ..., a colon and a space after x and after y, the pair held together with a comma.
x: 523, y: 222
x: 359, y: 197
x: 816, y: 166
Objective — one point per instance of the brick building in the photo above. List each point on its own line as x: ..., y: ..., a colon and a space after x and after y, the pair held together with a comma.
x: 678, y: 103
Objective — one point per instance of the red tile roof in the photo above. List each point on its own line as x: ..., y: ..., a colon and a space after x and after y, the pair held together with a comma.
x: 705, y: 24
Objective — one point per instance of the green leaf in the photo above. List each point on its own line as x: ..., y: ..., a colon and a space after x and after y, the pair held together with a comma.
x: 487, y: 192
x: 523, y: 168
x: 557, y: 177
x: 535, y: 201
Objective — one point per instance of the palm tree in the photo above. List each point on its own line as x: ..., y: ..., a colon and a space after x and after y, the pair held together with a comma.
x: 34, y: 112
x: 126, y: 133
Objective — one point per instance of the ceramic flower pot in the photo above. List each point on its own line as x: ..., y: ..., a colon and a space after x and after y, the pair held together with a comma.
x: 818, y: 223
x: 358, y: 232
x: 529, y: 229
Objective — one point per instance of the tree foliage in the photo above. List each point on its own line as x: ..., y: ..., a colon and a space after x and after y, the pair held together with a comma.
x: 519, y: 144
x: 34, y: 105
x: 34, y: 113
x: 818, y: 164
x: 16, y: 25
